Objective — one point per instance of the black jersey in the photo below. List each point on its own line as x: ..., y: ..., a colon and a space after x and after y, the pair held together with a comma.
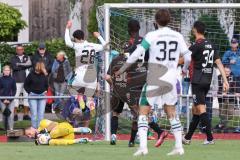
x: 131, y: 45
x: 128, y: 86
x: 204, y: 55
x: 119, y: 82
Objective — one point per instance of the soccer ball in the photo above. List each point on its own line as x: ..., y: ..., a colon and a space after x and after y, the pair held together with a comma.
x: 43, y: 138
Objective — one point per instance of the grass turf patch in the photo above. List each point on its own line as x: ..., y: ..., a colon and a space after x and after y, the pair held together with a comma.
x: 222, y: 150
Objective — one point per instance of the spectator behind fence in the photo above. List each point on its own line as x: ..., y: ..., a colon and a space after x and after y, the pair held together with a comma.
x: 7, y: 88
x: 226, y: 104
x: 36, y: 84
x: 42, y: 55
x: 61, y: 72
x: 20, y: 64
x: 232, y: 58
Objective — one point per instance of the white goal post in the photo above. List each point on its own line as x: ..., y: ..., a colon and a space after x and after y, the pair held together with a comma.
x: 107, y: 15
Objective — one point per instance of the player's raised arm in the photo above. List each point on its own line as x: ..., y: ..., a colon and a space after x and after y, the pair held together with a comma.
x: 100, y: 38
x: 141, y: 49
x: 133, y: 58
x: 67, y: 38
x: 103, y: 45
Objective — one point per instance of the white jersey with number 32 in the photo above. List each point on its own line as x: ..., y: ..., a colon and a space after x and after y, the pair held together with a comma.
x: 165, y: 47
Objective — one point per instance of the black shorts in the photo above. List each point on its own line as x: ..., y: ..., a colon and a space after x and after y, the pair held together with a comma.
x: 199, y: 92
x: 116, y: 104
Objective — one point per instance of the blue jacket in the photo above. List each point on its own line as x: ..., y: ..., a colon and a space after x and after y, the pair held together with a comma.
x: 7, y: 86
x: 230, y: 55
x: 66, y: 67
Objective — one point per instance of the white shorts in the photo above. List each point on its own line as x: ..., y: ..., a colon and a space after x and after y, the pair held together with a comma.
x: 165, y: 95
x: 86, y: 77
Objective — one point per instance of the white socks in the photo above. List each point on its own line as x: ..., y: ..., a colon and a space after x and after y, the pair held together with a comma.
x: 142, y: 130
x: 177, y: 131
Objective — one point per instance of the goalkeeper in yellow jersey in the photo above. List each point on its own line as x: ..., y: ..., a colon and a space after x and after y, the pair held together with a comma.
x: 54, y: 133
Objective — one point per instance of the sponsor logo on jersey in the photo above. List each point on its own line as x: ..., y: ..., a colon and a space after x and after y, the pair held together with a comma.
x: 207, y: 70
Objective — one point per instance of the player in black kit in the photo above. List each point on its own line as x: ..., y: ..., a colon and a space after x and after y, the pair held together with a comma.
x: 204, y: 55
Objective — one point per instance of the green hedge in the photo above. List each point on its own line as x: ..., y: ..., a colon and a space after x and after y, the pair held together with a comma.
x: 53, y: 46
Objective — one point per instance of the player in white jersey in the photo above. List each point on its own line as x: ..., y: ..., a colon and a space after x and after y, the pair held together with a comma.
x: 165, y: 46
x: 86, y: 75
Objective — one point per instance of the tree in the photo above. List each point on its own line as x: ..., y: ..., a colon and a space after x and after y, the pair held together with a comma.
x: 93, y: 26
x: 10, y: 22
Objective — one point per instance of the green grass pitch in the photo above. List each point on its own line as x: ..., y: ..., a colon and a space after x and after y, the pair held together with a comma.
x: 222, y: 150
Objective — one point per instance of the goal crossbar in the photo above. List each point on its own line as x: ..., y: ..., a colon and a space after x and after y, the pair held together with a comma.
x: 173, y: 5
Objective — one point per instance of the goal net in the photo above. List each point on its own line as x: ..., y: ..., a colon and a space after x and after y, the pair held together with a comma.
x: 222, y: 24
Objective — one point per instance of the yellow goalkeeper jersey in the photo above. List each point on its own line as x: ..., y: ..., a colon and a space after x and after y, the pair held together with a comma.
x: 62, y: 130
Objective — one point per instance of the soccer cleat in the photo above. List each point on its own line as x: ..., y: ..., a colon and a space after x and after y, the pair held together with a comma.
x: 176, y: 151
x: 161, y: 139
x: 237, y: 130
x: 113, y: 139
x: 186, y: 142
x: 206, y: 142
x: 81, y: 102
x: 141, y: 152
x: 91, y: 104
x: 150, y: 136
x: 131, y: 144
x: 219, y: 127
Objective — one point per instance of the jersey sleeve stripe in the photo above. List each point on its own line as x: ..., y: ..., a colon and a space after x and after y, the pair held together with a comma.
x: 145, y: 44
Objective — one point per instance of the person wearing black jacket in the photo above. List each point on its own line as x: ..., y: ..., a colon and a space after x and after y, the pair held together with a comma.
x: 42, y: 55
x: 36, y: 84
x: 7, y: 88
x: 20, y: 64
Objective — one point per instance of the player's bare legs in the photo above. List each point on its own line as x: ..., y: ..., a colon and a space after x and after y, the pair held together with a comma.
x: 176, y: 129
x: 142, y: 130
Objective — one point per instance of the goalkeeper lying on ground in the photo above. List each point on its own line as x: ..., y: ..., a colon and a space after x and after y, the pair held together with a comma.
x: 54, y: 133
